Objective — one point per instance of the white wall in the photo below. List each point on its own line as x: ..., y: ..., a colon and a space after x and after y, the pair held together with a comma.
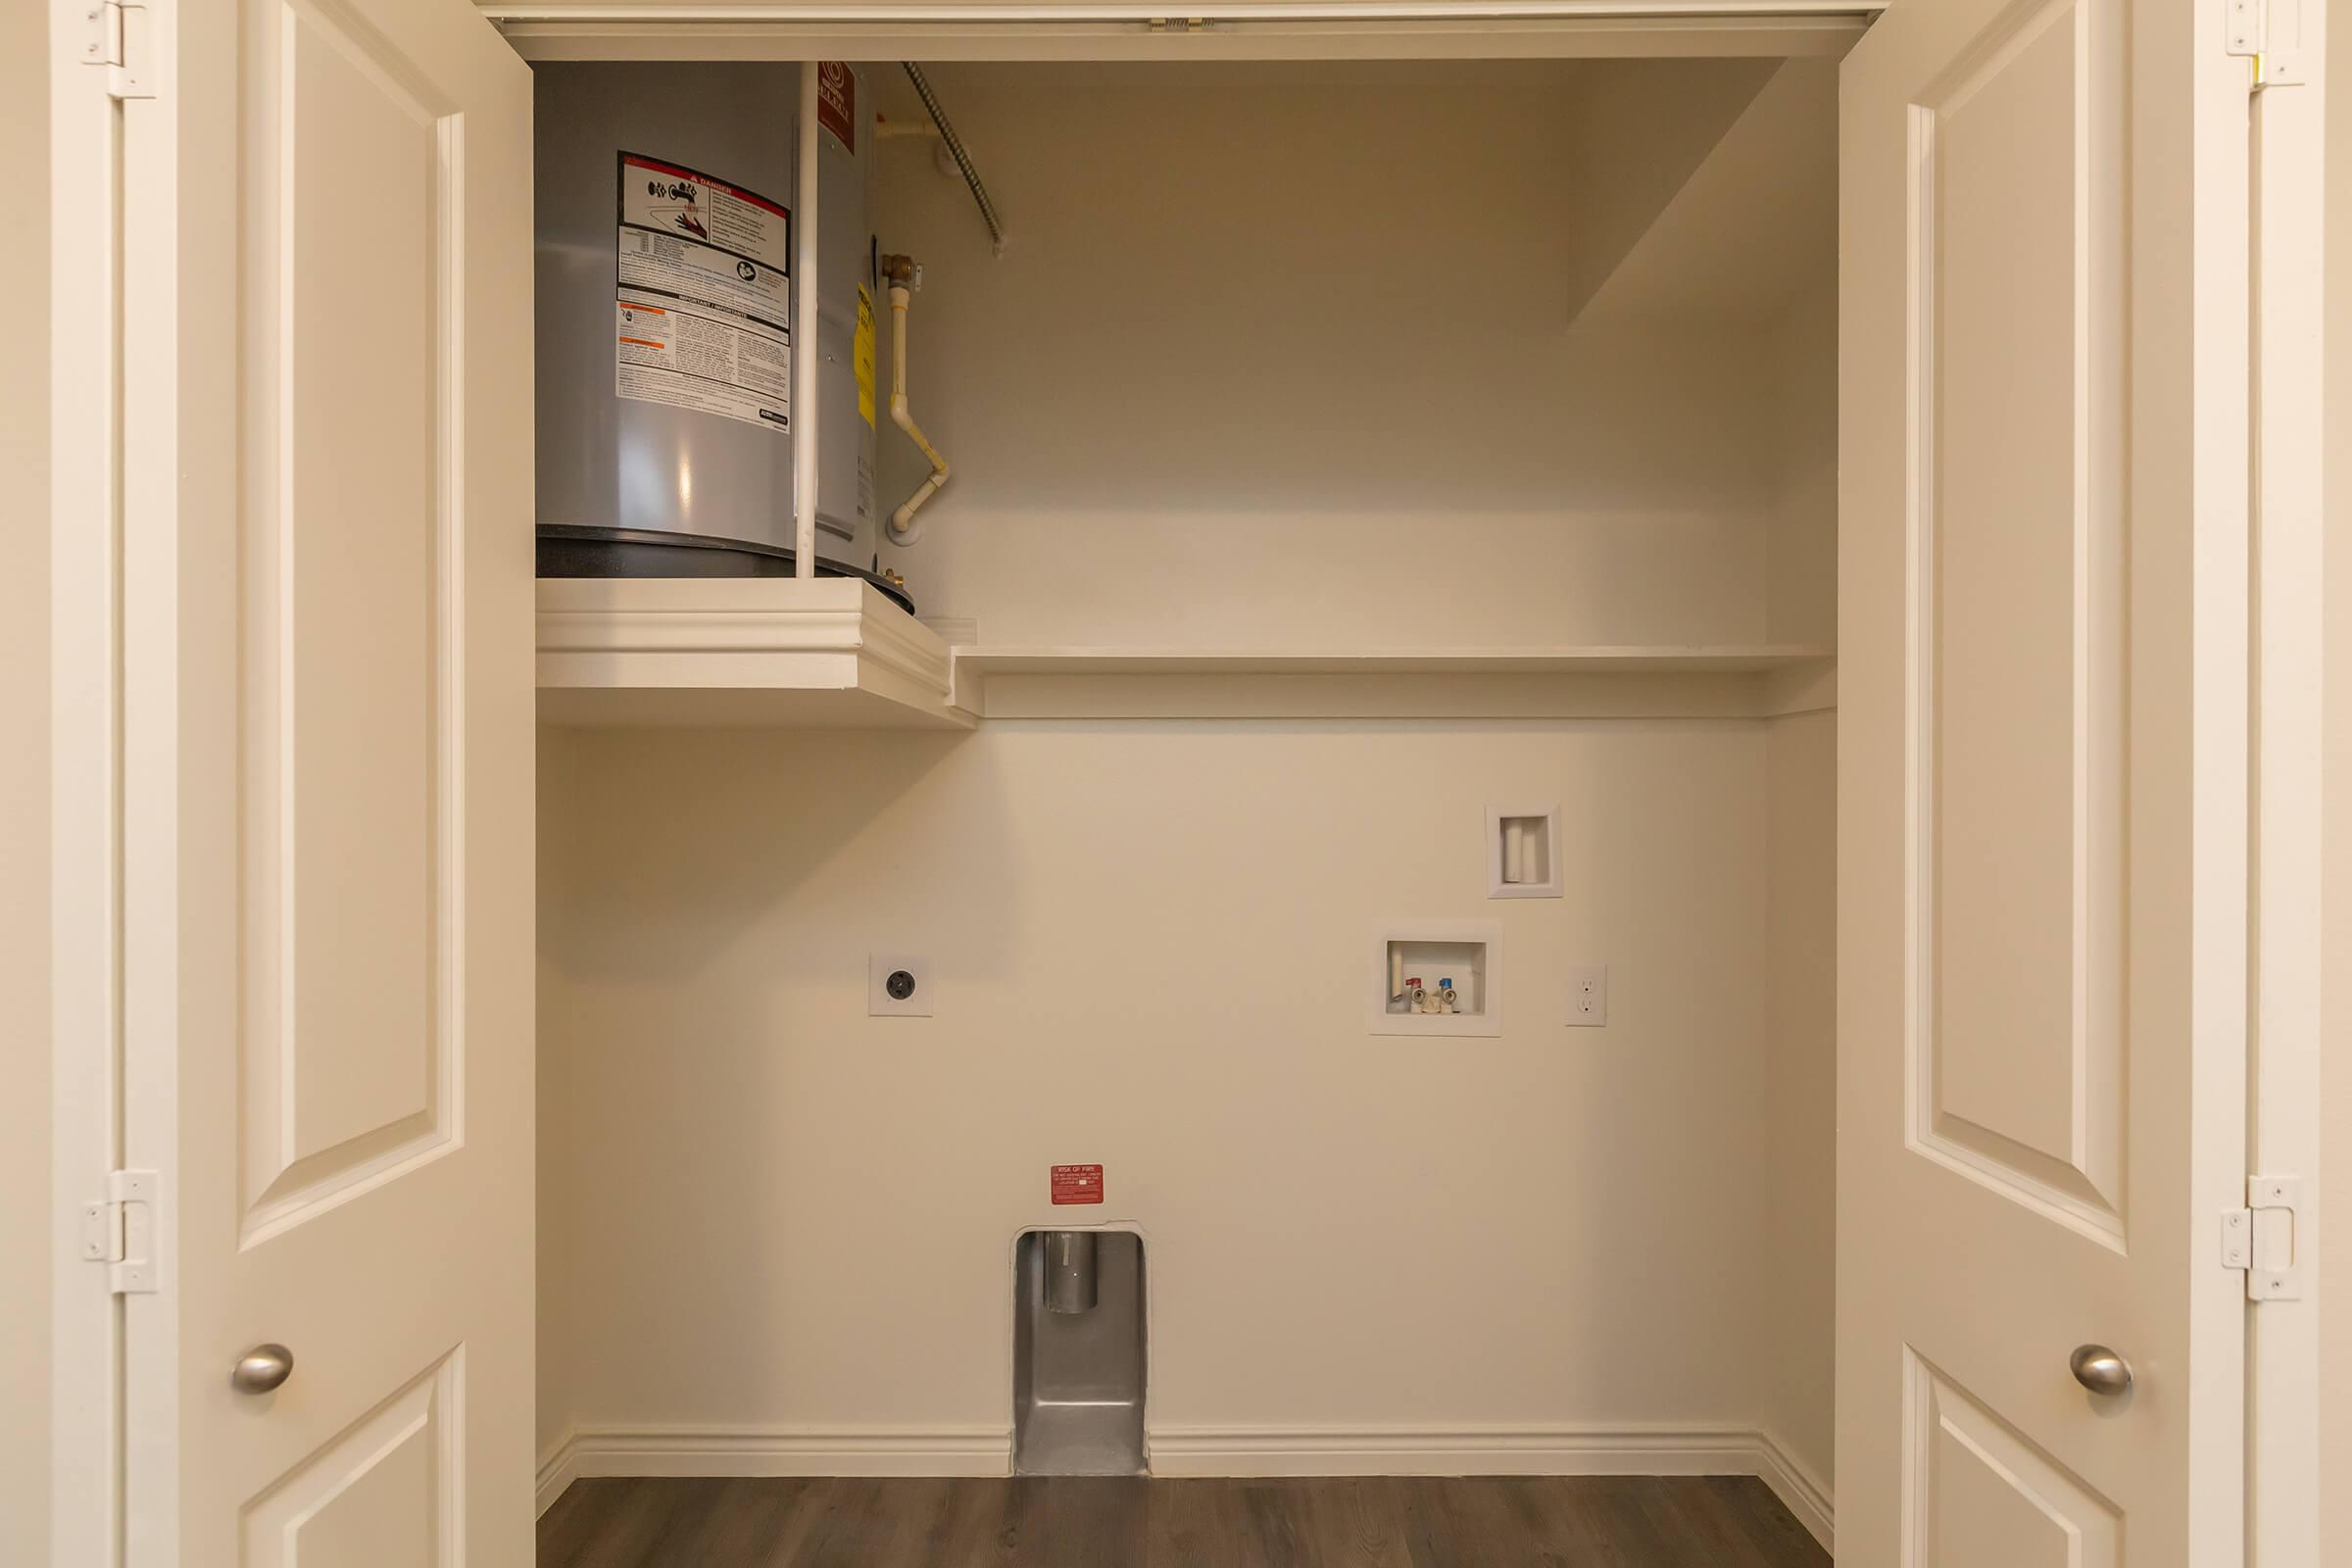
x: 1802, y: 554
x: 1279, y: 355
x: 560, y: 1215
x: 24, y: 1245
x: 1152, y: 948
x: 1797, y: 1348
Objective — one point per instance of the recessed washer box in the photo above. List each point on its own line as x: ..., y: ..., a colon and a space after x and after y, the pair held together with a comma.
x: 1469, y: 953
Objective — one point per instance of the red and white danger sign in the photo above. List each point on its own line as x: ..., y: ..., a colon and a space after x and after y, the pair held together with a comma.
x: 1077, y: 1184
x: 837, y: 102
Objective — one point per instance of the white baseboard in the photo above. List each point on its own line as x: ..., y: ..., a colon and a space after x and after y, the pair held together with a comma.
x: 1196, y: 1450
x: 559, y: 1468
x: 1513, y: 1451
x: 766, y: 1451
x: 1799, y: 1490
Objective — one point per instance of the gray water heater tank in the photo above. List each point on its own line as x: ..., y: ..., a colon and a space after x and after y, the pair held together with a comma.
x: 665, y: 198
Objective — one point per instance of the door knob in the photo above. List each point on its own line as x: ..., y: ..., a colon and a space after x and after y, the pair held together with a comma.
x: 261, y: 1368
x: 2099, y: 1369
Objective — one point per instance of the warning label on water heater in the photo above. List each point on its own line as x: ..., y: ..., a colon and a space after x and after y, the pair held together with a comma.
x: 836, y: 103
x: 703, y: 294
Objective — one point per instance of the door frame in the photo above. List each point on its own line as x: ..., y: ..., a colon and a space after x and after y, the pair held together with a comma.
x: 2286, y: 790
x: 1202, y: 29
x: 92, y: 135
x: 87, y: 130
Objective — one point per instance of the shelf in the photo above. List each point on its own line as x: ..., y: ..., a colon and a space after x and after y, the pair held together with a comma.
x: 1609, y: 659
x: 1741, y: 681
x: 836, y: 654
x: 830, y: 653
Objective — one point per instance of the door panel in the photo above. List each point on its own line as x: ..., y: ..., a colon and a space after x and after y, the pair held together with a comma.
x: 353, y: 530
x: 329, y: 1058
x: 2015, y: 172
x: 1983, y: 1494
x: 377, y: 1495
x: 2041, y: 785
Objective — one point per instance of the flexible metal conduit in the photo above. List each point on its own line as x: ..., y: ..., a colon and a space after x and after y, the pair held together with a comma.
x: 964, y: 159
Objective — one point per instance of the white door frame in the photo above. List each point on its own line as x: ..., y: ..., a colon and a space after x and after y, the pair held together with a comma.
x: 2283, y: 1045
x: 1202, y: 29
x: 88, y: 130
x: 86, y: 135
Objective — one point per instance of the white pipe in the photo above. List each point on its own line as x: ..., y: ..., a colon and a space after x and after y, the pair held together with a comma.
x: 902, y: 521
x: 804, y: 357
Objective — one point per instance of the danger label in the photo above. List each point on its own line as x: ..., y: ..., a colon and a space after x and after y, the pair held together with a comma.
x: 837, y: 102
x: 703, y: 311
x: 1077, y: 1184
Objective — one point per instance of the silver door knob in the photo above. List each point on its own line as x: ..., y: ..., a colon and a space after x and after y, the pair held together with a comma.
x: 261, y: 1368
x: 2099, y: 1369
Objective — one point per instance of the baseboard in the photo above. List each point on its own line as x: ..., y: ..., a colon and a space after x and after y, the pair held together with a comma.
x: 1515, y: 1450
x: 1583, y: 1450
x: 764, y: 1450
x: 1799, y: 1490
x: 1198, y: 1450
x: 559, y: 1468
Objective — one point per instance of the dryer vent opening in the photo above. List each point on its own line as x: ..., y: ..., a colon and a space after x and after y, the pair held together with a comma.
x: 1078, y: 1353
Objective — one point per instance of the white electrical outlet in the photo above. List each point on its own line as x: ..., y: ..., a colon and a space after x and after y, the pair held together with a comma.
x: 1588, y: 996
x: 898, y: 986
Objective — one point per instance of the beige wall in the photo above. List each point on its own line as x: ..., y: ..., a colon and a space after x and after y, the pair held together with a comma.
x: 1152, y: 948
x: 24, y: 1245
x: 1801, y: 557
x: 558, y: 1217
x: 1797, y: 1348
x: 1279, y: 355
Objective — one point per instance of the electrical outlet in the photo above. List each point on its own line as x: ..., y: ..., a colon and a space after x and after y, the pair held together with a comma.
x: 1588, y: 996
x: 898, y: 986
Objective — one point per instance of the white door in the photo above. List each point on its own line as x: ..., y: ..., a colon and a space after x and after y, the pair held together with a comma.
x: 327, y: 785
x: 2042, y: 784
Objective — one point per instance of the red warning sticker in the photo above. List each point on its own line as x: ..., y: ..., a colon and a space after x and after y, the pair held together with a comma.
x: 837, y: 102
x: 1077, y: 1184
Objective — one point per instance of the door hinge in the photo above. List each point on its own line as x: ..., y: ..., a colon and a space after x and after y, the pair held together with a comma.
x: 2269, y: 32
x: 120, y: 37
x: 2270, y: 1254
x: 120, y: 1231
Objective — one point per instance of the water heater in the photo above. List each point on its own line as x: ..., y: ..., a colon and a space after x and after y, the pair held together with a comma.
x: 666, y: 195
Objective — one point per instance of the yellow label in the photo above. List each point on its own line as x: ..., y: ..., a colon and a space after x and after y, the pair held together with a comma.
x: 862, y: 354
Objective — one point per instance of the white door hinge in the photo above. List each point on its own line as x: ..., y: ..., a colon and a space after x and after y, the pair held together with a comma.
x: 120, y: 1231
x: 120, y: 37
x: 2267, y: 1252
x: 2270, y: 33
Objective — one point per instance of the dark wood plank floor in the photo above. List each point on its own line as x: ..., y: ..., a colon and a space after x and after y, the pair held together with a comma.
x: 1073, y: 1522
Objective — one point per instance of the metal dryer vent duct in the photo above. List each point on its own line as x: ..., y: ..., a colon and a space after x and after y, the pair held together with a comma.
x: 1069, y: 1271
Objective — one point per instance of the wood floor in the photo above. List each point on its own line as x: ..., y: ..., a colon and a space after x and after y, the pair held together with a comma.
x: 1072, y: 1522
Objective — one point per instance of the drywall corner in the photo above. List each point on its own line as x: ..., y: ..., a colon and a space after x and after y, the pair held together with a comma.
x: 1800, y: 1319
x: 558, y: 1363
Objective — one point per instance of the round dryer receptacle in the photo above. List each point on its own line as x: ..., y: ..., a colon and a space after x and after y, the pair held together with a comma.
x: 900, y: 985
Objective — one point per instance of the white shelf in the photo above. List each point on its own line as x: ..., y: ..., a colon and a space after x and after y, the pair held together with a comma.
x: 835, y: 653
x: 831, y: 653
x: 1622, y: 681
x: 1626, y: 660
